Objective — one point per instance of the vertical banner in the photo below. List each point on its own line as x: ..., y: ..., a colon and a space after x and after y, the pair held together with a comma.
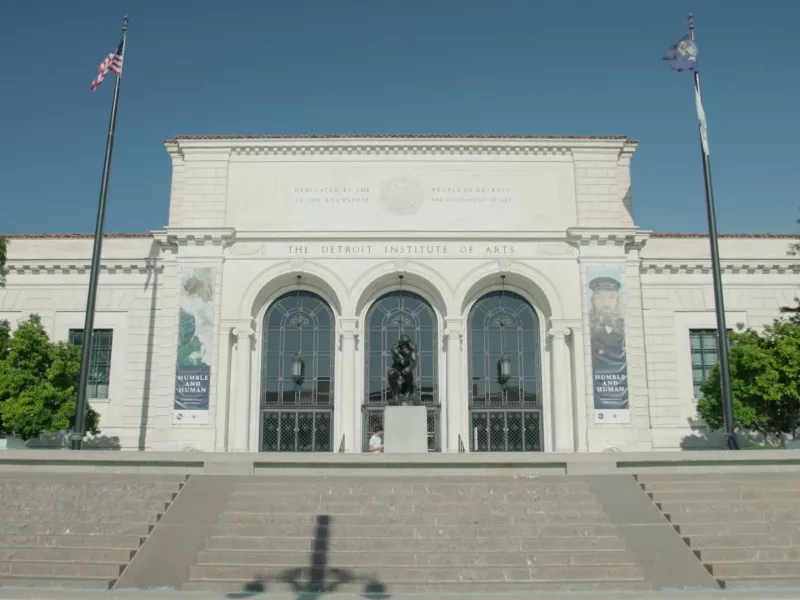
x: 195, y: 346
x: 607, y: 335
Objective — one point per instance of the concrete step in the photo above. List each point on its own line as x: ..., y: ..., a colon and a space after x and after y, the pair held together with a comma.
x: 60, y: 569
x: 432, y: 574
x: 364, y: 588
x: 399, y: 481
x: 758, y: 540
x: 773, y: 516
x: 735, y: 528
x: 733, y: 583
x: 77, y: 498
x: 110, y: 542
x: 722, y: 555
x: 385, y: 544
x: 39, y: 516
x: 699, y: 487
x: 420, y: 532
x: 104, y: 529
x: 66, y: 477
x: 415, y: 504
x: 80, y: 485
x: 409, y: 559
x: 738, y: 506
x: 93, y: 505
x: 441, y: 489
x: 416, y: 519
x: 724, y: 496
x: 66, y: 554
x: 59, y: 582
x: 754, y: 569
x: 718, y: 476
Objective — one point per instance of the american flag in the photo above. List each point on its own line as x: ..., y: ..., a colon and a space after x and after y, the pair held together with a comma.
x: 112, y: 62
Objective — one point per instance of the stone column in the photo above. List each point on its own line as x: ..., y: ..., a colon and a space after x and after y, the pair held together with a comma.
x: 240, y: 407
x: 454, y: 406
x: 347, y: 402
x: 562, y: 403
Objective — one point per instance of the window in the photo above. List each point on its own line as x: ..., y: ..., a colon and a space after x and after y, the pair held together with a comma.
x: 297, y: 408
x: 100, y: 363
x: 505, y: 414
x: 703, y: 344
x: 393, y: 315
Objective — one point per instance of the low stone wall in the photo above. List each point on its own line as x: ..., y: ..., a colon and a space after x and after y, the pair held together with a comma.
x: 456, y: 464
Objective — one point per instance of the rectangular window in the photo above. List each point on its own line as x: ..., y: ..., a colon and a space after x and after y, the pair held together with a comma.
x: 100, y: 363
x: 703, y: 344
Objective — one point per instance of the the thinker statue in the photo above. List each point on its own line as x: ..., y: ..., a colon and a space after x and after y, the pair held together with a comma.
x: 401, y: 373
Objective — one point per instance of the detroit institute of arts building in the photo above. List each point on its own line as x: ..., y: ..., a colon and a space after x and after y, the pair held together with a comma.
x: 262, y: 318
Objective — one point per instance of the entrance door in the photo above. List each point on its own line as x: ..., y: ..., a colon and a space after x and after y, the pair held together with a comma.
x: 395, y: 314
x: 505, y: 366
x: 297, y: 367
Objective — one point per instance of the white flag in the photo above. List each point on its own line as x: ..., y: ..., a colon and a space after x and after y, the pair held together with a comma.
x: 701, y: 116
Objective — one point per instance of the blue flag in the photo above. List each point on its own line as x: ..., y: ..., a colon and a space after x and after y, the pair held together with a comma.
x: 682, y: 56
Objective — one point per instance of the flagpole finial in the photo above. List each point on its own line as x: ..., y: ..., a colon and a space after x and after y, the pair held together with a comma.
x: 125, y: 23
x: 691, y: 21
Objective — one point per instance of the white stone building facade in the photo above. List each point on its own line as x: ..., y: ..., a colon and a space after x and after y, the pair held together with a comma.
x: 481, y: 249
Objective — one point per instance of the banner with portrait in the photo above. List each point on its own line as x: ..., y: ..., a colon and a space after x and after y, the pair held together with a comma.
x: 195, y: 346
x: 607, y: 337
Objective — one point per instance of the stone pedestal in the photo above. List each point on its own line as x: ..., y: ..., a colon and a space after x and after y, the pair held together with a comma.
x: 405, y: 430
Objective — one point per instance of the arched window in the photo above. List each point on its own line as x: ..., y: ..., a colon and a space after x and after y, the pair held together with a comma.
x: 392, y: 315
x: 505, y: 375
x: 297, y: 367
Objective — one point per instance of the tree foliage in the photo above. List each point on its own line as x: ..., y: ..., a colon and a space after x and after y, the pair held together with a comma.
x: 38, y: 382
x: 3, y: 246
x: 765, y: 381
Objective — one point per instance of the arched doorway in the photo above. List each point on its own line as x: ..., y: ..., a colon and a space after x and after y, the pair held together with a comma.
x: 505, y: 370
x: 393, y: 314
x: 297, y: 372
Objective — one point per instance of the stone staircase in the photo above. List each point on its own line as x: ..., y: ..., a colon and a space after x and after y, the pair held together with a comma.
x: 414, y: 533
x: 77, y: 530
x: 744, y: 527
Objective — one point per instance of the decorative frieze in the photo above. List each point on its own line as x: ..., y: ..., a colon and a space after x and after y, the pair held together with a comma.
x: 68, y: 268
x: 414, y: 150
x: 672, y: 267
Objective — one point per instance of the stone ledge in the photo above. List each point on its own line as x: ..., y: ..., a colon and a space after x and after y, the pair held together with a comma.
x: 246, y: 462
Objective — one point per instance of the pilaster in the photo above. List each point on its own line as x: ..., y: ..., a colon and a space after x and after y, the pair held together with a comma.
x: 456, y: 409
x: 347, y: 405
x: 563, y: 420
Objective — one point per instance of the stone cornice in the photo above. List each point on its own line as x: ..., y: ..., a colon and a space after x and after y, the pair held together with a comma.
x: 401, y: 150
x: 394, y: 146
x: 688, y: 267
x: 632, y: 239
x: 68, y: 267
x: 216, y: 236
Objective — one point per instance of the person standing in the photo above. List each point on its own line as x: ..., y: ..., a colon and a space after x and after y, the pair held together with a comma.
x: 733, y: 438
x: 376, y: 441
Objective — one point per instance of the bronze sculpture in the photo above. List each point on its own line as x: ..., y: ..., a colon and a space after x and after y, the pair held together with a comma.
x: 401, y: 373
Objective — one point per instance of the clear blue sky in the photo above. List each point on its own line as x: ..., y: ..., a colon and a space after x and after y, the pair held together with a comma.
x: 405, y: 66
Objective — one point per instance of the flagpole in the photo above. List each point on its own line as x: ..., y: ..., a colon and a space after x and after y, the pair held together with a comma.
x: 722, y: 330
x: 79, y: 430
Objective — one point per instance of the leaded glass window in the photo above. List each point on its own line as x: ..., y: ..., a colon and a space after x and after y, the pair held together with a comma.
x: 505, y: 411
x: 392, y: 315
x: 299, y: 325
x: 100, y: 362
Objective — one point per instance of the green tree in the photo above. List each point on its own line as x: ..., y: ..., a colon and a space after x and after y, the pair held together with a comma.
x: 38, y: 383
x: 765, y: 381
x: 793, y: 312
x: 3, y: 244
